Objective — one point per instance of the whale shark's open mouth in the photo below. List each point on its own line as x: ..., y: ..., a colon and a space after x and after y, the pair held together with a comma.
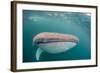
x: 53, y: 40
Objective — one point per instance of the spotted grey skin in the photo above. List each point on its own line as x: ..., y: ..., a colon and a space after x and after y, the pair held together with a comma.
x: 54, y: 42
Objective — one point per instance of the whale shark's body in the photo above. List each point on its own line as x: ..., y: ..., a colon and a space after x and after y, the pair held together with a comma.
x: 54, y: 42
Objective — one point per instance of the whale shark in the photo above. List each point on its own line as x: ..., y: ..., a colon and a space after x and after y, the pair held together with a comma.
x: 54, y: 43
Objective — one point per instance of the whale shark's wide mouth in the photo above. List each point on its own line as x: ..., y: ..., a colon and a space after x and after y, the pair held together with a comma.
x: 53, y: 40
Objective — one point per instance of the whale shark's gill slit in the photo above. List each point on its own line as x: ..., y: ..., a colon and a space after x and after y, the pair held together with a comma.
x: 38, y: 53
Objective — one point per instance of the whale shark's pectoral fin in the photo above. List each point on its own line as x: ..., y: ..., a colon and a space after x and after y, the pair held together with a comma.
x: 38, y: 53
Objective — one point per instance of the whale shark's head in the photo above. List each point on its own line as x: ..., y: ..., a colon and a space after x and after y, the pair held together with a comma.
x: 54, y: 42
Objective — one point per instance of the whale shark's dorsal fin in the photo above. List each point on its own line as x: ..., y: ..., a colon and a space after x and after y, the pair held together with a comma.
x: 38, y: 53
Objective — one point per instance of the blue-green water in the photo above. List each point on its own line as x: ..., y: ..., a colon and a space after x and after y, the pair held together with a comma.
x: 74, y: 23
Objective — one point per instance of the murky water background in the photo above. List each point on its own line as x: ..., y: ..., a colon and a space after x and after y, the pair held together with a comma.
x: 74, y: 23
